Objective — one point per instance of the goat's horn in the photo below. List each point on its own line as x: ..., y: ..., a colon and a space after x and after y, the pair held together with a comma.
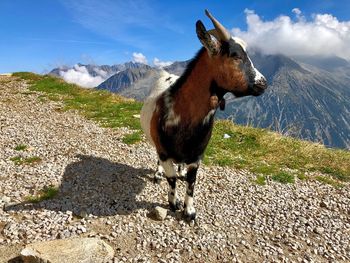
x: 221, y: 30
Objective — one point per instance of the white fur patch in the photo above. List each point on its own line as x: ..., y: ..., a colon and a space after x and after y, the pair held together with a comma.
x: 258, y: 76
x: 240, y: 42
x: 170, y: 172
x: 189, y: 203
x: 149, y: 106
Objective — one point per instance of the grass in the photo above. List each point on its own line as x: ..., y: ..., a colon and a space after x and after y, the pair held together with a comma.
x: 48, y: 192
x: 330, y: 181
x: 19, y: 160
x: 260, y: 180
x: 21, y: 147
x: 265, y: 153
x: 108, y: 109
x: 271, y: 154
x: 132, y: 138
x: 283, y: 177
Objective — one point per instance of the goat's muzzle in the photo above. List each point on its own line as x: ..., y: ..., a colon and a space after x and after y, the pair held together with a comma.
x: 258, y: 88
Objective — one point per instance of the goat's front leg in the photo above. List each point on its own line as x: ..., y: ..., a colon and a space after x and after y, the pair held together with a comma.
x: 190, y: 211
x: 159, y: 174
x: 170, y: 175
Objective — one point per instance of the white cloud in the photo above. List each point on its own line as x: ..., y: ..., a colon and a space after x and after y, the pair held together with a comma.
x: 296, y: 11
x: 80, y: 75
x: 139, y: 58
x: 323, y: 35
x: 161, y: 64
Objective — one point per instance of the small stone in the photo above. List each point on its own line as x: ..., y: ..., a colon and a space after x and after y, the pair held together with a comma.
x: 83, y: 214
x: 158, y: 213
x: 6, y: 199
x: 323, y: 204
x: 114, y: 234
x: 216, y: 223
x: 319, y: 230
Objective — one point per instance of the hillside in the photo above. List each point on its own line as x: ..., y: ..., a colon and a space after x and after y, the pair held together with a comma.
x: 76, y: 143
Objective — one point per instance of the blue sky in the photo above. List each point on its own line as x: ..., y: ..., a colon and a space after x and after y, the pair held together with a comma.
x: 39, y: 35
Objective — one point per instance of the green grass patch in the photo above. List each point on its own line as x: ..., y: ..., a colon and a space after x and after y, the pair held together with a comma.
x: 301, y: 176
x: 132, y: 138
x: 271, y: 154
x: 108, y: 109
x: 21, y: 147
x: 19, y: 160
x: 283, y: 177
x: 48, y: 192
x: 327, y: 180
x: 260, y: 180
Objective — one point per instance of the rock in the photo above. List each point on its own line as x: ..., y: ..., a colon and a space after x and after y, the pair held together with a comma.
x: 319, y: 230
x: 68, y: 250
x: 323, y: 204
x: 6, y: 199
x: 158, y: 213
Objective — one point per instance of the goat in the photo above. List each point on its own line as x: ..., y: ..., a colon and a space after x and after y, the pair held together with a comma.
x: 178, y: 119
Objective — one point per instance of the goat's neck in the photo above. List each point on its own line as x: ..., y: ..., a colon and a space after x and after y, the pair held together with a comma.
x: 193, y: 101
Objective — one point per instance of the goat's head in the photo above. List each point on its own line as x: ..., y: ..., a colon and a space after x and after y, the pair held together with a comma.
x: 231, y: 66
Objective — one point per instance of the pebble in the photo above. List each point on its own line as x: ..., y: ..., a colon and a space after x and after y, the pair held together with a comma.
x: 319, y: 230
x: 158, y: 213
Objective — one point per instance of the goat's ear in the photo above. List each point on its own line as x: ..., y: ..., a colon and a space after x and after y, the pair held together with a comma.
x: 207, y: 40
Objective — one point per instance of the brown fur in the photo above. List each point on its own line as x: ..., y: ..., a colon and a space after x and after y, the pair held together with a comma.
x: 194, y: 100
x: 225, y: 75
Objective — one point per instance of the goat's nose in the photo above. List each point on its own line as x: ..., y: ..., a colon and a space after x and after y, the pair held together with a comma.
x: 261, y: 83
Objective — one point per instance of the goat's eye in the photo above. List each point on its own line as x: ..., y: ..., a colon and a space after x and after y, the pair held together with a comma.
x: 237, y: 57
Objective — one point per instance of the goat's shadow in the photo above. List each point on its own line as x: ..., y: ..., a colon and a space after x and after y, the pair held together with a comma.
x: 99, y: 187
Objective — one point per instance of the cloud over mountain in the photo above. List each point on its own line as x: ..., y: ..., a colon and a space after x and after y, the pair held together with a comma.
x: 139, y: 58
x: 320, y: 35
x: 81, y: 76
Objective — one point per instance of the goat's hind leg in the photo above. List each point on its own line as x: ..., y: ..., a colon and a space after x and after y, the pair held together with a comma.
x: 170, y: 175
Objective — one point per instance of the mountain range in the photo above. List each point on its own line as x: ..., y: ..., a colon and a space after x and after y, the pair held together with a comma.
x: 307, y: 97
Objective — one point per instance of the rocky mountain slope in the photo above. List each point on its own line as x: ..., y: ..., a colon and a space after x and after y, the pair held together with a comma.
x: 105, y: 190
x: 132, y: 83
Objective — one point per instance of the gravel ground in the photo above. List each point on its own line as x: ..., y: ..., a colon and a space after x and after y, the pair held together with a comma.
x: 106, y: 190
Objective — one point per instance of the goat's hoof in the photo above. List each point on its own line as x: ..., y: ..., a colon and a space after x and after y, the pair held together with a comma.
x: 189, y: 217
x: 157, y: 177
x: 176, y: 206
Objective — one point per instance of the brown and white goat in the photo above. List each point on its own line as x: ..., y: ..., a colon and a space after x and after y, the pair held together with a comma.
x: 178, y: 118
